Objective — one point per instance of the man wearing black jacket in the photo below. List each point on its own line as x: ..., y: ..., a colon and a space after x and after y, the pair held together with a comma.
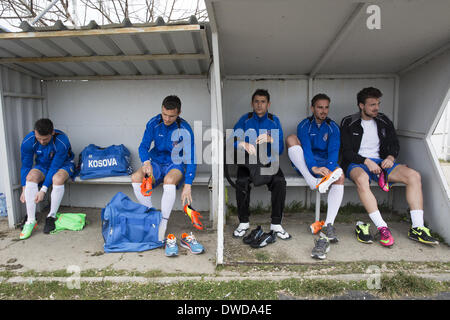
x: 369, y: 149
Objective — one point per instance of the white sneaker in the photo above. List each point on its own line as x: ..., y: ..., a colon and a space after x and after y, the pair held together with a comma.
x: 241, y: 230
x: 328, y: 180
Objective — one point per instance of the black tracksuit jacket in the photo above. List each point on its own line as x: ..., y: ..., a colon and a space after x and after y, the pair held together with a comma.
x: 351, y: 136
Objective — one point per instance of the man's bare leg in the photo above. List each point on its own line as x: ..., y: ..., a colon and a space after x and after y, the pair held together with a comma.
x: 414, y: 196
x: 362, y: 181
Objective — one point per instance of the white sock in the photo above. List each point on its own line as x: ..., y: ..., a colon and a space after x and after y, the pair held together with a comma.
x: 276, y: 227
x: 167, y: 201
x: 146, y: 201
x: 417, y: 218
x: 298, y: 159
x: 31, y: 189
x: 56, y: 197
x: 335, y: 196
x: 377, y: 219
x: 244, y: 225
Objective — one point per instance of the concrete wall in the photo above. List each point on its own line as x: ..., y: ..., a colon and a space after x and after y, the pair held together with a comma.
x: 424, y: 92
x: 289, y: 103
x: 116, y: 112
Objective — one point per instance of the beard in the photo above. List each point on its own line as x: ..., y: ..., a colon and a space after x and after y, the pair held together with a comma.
x: 368, y: 115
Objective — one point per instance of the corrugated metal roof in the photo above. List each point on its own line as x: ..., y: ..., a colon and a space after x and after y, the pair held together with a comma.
x: 123, y: 50
x: 309, y: 37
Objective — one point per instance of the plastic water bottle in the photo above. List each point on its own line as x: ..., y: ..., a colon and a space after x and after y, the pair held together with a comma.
x: 3, y: 210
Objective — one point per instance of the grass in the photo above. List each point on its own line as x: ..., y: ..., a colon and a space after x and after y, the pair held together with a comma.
x: 397, y: 286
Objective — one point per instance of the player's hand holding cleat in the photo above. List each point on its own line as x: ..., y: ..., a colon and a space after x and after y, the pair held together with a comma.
x: 146, y: 186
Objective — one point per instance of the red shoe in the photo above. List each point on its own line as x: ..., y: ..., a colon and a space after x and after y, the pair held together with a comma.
x: 146, y: 186
x: 383, y: 181
x: 386, y: 238
x: 194, y: 215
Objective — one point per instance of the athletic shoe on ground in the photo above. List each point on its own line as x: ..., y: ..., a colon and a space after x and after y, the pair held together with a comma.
x: 188, y: 241
x: 422, y: 234
x: 171, y: 249
x: 280, y: 232
x: 27, y: 230
x: 328, y: 180
x: 241, y: 230
x: 264, y: 240
x: 321, y: 248
x: 254, y: 235
x: 329, y: 232
x: 363, y: 232
x: 386, y: 238
x: 49, y: 225
x: 383, y: 180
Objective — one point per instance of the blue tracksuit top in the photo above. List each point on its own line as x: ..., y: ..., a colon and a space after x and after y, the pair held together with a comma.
x: 52, y: 156
x: 250, y: 126
x: 320, y: 144
x: 173, y: 144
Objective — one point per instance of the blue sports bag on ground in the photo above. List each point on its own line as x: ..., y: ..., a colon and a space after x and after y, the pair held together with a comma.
x: 128, y: 226
x: 97, y: 162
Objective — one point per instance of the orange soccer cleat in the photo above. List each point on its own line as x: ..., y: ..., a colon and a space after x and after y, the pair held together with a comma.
x: 146, y: 186
x: 316, y: 226
x: 195, y: 217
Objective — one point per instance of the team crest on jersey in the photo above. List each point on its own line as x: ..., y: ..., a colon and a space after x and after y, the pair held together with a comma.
x: 325, y: 137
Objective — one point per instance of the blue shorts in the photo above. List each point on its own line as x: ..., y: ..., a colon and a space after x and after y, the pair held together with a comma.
x: 372, y: 176
x: 161, y: 170
x: 320, y: 163
x: 68, y: 166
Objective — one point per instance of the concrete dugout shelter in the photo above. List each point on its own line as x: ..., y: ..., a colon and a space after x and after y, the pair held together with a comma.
x: 293, y: 48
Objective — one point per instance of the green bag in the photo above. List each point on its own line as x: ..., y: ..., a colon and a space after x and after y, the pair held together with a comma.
x: 69, y: 221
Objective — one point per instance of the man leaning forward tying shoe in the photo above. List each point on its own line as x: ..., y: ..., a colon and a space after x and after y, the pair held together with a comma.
x: 259, y: 135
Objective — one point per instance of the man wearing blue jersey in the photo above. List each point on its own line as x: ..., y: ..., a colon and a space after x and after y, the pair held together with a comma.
x: 47, y: 159
x: 314, y: 152
x: 170, y: 161
x: 259, y: 134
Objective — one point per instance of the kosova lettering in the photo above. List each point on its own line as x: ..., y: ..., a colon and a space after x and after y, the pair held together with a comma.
x: 102, y: 163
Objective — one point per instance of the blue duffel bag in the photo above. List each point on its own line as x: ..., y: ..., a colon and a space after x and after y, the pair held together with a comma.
x: 97, y: 162
x: 128, y: 226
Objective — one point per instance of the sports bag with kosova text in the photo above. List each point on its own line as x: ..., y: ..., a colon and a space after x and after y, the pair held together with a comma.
x: 97, y: 162
x: 128, y: 226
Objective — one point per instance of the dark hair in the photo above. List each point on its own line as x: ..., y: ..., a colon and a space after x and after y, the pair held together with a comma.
x: 261, y: 92
x: 171, y: 103
x: 44, y: 127
x: 369, y: 92
x: 320, y: 96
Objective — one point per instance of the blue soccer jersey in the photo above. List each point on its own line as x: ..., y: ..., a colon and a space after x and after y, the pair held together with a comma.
x: 57, y: 154
x: 173, y: 144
